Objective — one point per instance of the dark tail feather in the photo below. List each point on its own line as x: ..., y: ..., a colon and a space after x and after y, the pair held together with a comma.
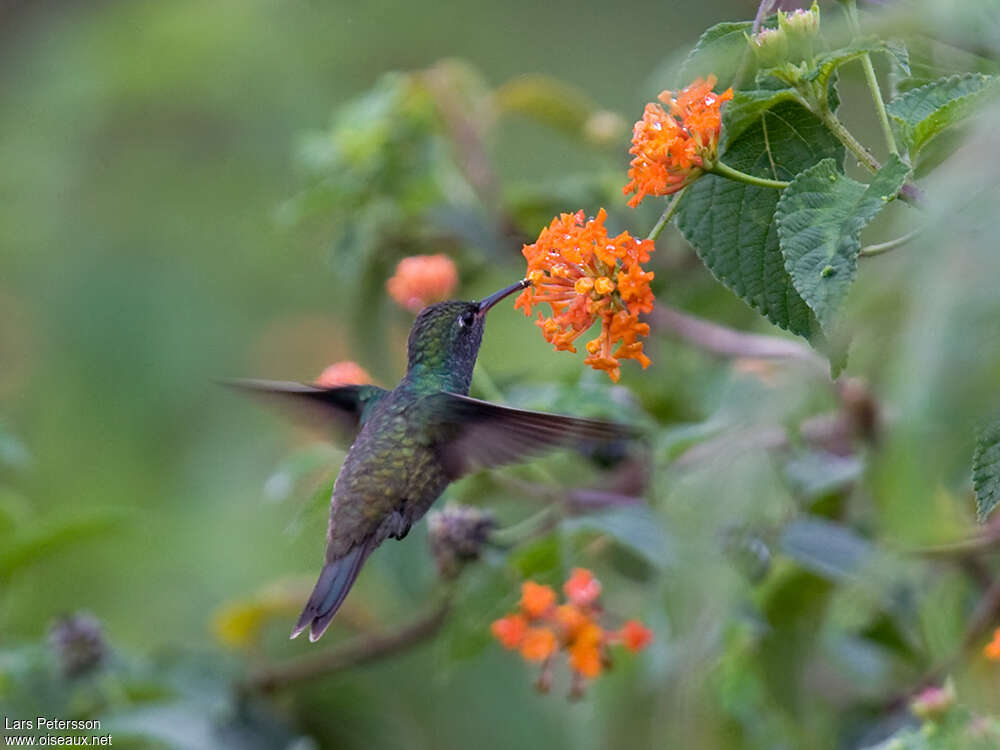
x: 331, y: 590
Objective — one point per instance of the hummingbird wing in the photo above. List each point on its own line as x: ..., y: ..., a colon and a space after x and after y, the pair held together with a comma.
x: 343, y: 406
x: 480, y: 435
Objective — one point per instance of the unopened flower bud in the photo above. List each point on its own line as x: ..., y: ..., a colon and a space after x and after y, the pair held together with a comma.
x: 604, y: 285
x: 457, y: 534
x: 801, y: 27
x: 770, y: 46
x: 800, y: 22
x: 78, y: 643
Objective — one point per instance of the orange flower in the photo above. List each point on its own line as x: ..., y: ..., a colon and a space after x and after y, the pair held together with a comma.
x: 343, y: 373
x: 571, y: 620
x: 582, y: 589
x: 585, y: 275
x: 635, y: 636
x: 585, y: 651
x: 509, y: 630
x: 671, y: 149
x: 421, y: 280
x: 538, y: 644
x: 992, y: 649
x: 542, y: 629
x: 536, y: 599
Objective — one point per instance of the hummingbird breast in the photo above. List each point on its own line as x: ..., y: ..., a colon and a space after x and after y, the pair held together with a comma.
x: 390, y: 477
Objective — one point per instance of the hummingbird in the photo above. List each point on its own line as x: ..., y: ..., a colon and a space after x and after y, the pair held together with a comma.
x: 412, y: 441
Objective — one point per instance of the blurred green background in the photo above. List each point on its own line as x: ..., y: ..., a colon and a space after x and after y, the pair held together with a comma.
x: 147, y: 150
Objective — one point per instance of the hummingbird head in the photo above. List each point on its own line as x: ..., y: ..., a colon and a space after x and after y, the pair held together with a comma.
x: 445, y: 339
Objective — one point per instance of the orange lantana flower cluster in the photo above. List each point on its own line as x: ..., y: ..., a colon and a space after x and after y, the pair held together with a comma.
x: 421, y: 280
x: 343, y: 373
x: 542, y: 627
x: 584, y: 275
x: 992, y: 649
x: 672, y: 148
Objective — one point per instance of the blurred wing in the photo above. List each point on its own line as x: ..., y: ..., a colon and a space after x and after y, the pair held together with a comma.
x: 480, y: 435
x: 342, y: 407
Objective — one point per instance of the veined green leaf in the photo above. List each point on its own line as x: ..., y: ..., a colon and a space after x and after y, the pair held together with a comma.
x: 721, y: 51
x: 731, y: 224
x: 922, y: 113
x: 746, y: 107
x: 986, y: 471
x: 820, y: 217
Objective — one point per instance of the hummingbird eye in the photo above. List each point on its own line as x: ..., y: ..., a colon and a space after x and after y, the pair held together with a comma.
x: 466, y: 319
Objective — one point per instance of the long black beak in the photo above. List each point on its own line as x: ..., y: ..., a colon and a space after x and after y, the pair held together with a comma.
x: 488, y: 302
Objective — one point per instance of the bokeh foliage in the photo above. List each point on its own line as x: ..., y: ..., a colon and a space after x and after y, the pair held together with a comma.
x: 178, y: 204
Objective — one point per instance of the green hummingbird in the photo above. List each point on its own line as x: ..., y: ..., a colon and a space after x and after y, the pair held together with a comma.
x: 414, y: 440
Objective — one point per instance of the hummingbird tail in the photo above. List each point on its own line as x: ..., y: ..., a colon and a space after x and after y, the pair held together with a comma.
x: 331, y: 590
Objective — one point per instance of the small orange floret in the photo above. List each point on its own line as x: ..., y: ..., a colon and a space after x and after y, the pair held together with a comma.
x: 635, y: 636
x: 543, y: 629
x: 582, y: 589
x: 570, y: 620
x: 992, y: 649
x: 584, y: 276
x: 672, y: 146
x: 536, y: 599
x: 509, y: 630
x: 538, y: 644
x: 585, y: 651
x: 421, y: 280
x: 343, y: 373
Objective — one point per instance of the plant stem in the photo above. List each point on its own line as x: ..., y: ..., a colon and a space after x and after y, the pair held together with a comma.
x: 729, y: 342
x: 866, y: 61
x: 734, y: 174
x: 535, y: 525
x: 884, y: 247
x: 358, y: 651
x: 667, y: 215
x: 845, y: 136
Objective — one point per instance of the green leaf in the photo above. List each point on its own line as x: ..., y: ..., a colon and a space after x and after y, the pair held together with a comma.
x: 635, y: 527
x: 731, y: 224
x: 922, y: 113
x: 986, y: 471
x: 746, y: 107
x: 827, y: 64
x: 830, y: 550
x: 820, y: 217
x: 43, y: 539
x: 721, y: 51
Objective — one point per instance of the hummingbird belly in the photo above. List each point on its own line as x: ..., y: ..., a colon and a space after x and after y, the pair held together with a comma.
x: 389, y: 479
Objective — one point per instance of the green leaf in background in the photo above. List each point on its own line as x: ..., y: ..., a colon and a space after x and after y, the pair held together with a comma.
x: 820, y: 217
x: 721, y: 51
x: 635, y: 527
x: 560, y: 106
x: 986, y: 471
x: 922, y: 113
x: 40, y: 539
x: 828, y: 549
x: 732, y: 226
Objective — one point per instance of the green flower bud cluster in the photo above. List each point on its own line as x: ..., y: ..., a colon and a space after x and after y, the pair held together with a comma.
x: 791, y: 43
